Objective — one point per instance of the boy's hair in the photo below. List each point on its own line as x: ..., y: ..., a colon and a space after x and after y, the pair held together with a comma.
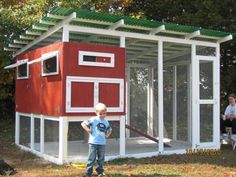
x: 100, y: 107
x: 232, y: 95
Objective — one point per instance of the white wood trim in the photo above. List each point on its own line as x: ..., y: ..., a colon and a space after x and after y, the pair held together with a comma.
x: 217, y: 98
x: 46, y: 22
x: 83, y: 118
x: 122, y: 136
x: 189, y: 113
x: 48, y: 56
x: 226, y: 38
x: 127, y: 99
x: 96, y: 81
x: 42, y: 129
x: 194, y: 96
x: 175, y: 103
x: 22, y: 62
x: 122, y: 41
x: 193, y: 34
x: 26, y: 37
x: 17, y: 128
x: 160, y: 96
x: 138, y: 36
x: 46, y: 34
x: 96, y: 54
x: 116, y: 25
x: 32, y: 131
x: 63, y: 141
x: 150, y: 102
x: 212, y: 101
x: 40, y: 28
x: 157, y: 30
x: 20, y: 42
x: 33, y: 33
x: 9, y: 49
x: 65, y: 34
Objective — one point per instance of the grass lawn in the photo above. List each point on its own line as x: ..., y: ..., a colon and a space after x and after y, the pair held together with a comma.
x: 28, y: 165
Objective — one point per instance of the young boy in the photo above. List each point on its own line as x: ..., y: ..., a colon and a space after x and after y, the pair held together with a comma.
x: 229, y: 119
x: 98, y: 129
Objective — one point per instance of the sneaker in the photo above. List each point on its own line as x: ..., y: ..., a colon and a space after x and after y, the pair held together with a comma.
x: 234, y: 145
x: 86, y: 175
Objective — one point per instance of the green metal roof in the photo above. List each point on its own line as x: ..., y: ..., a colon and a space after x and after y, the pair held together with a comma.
x: 103, y: 21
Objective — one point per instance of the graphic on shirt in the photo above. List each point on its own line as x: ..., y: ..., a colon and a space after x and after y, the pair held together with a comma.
x: 101, y: 127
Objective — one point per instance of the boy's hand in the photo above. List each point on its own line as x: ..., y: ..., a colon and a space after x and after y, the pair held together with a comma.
x: 108, y: 133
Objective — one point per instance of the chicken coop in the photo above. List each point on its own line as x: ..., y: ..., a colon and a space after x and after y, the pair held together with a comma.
x: 160, y: 82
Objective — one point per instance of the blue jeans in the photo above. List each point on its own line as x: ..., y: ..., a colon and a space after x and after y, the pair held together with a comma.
x: 99, y: 151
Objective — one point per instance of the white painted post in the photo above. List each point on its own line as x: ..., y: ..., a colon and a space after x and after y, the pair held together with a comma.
x: 122, y: 135
x: 32, y: 131
x: 175, y: 102
x: 42, y: 134
x: 65, y: 34
x: 63, y: 142
x: 195, y: 134
x: 122, y: 41
x: 160, y: 95
x: 150, y: 102
x: 17, y: 128
x: 189, y: 103
x: 127, y: 99
x: 122, y: 118
x: 216, y: 74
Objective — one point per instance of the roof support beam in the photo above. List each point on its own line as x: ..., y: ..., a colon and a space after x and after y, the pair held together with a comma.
x: 226, y: 38
x: 157, y: 30
x: 47, y: 22
x: 9, y: 49
x: 15, y: 46
x: 27, y: 37
x: 39, y: 28
x: 193, y: 34
x: 33, y: 33
x: 117, y: 25
x: 83, y: 29
x: 48, y: 33
x: 20, y: 42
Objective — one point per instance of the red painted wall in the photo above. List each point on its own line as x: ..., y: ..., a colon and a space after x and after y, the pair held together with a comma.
x: 38, y: 94
x: 46, y: 94
x: 71, y: 68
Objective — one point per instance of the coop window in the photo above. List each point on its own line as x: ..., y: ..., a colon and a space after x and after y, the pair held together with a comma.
x: 50, y: 64
x: 99, y: 59
x: 23, y: 70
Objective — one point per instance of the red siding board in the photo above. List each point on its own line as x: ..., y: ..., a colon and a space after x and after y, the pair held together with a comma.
x: 46, y: 95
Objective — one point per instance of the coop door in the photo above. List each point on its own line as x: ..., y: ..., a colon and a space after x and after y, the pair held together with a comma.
x: 206, y: 103
x: 83, y: 93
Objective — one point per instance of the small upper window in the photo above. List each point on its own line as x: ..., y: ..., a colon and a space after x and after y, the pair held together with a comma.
x: 101, y: 59
x: 23, y: 69
x: 50, y: 64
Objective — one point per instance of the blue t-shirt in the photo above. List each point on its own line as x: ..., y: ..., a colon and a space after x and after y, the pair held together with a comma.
x: 99, y: 128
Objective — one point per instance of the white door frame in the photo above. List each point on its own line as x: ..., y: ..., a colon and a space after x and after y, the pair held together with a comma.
x: 197, y: 101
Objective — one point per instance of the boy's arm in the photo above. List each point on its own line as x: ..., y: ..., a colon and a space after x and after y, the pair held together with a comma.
x: 86, y: 127
x: 108, y: 133
x: 109, y: 130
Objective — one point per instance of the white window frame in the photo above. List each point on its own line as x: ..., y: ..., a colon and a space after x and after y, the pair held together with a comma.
x: 96, y: 54
x: 21, y: 62
x: 47, y: 56
x: 96, y: 81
